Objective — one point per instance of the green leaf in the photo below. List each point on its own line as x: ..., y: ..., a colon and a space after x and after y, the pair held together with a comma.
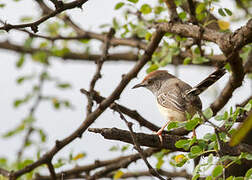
x: 42, y: 135
x: 196, y: 150
x: 153, y: 67
x: 248, y: 106
x: 228, y: 11
x: 64, y: 85
x: 158, y: 9
x: 248, y: 157
x: 26, y: 19
x: 187, y: 61
x: 125, y: 147
x: 221, y: 12
x: 20, y: 61
x: 28, y: 43
x: 208, y: 113
x: 230, y: 178
x: 172, y: 125
x: 183, y: 143
x: 217, y: 171
x: 133, y: 1
x: 210, y: 159
x: 145, y: 9
x: 209, y: 178
x: 114, y: 148
x: 18, y: 102
x: 2, y: 5
x: 195, y: 177
x: 248, y: 174
x: 119, y: 5
x: 159, y: 163
x: 201, y: 7
x: 182, y: 15
x: 242, y: 131
x: 191, y: 124
x: 40, y: 57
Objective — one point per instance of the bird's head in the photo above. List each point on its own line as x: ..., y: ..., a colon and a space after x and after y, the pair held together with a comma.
x: 154, y: 80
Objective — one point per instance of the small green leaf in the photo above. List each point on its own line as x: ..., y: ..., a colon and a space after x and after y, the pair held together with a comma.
x: 209, y: 178
x: 125, y: 147
x: 119, y: 5
x: 133, y: 1
x: 201, y: 7
x: 191, y: 124
x: 196, y: 150
x: 153, y: 67
x: 172, y: 125
x: 2, y: 5
x: 114, y: 148
x: 230, y: 178
x: 242, y: 131
x: 145, y: 9
x: 228, y: 11
x: 183, y: 143
x: 159, y: 163
x: 248, y: 157
x: 217, y: 171
x: 63, y: 85
x: 20, y: 61
x: 221, y: 12
x: 208, y: 113
x: 42, y: 135
x: 248, y: 174
x: 195, y: 177
x: 187, y: 61
x: 182, y: 15
x: 248, y: 106
x: 18, y: 102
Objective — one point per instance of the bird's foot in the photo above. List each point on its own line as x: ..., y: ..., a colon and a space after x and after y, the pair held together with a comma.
x: 159, y: 133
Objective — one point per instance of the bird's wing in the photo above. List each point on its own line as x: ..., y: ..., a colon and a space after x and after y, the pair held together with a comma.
x: 172, y: 98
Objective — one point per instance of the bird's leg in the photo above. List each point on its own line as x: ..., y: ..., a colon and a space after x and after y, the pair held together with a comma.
x: 159, y: 133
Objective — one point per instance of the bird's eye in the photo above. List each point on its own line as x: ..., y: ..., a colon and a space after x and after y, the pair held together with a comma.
x: 149, y: 81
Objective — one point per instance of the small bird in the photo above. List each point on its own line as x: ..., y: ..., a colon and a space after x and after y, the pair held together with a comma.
x: 174, y: 96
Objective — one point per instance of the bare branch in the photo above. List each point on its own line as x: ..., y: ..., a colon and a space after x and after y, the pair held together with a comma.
x: 34, y: 25
x: 97, y: 74
x: 121, y: 164
x: 138, y: 148
x: 149, y: 140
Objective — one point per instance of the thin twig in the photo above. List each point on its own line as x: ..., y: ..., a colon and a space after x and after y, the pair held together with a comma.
x: 137, y: 146
x: 99, y: 64
x: 34, y: 25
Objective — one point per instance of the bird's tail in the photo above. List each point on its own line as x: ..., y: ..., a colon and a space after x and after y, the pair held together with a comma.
x: 207, y: 82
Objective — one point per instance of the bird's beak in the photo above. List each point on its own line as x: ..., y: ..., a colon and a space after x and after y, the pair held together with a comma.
x: 138, y: 85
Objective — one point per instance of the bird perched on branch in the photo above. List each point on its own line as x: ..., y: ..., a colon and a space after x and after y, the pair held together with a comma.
x: 174, y: 96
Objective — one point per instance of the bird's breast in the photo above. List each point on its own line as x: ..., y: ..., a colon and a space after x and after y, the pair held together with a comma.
x: 171, y: 114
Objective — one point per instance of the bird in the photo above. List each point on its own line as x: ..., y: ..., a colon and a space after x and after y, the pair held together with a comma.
x: 175, y: 97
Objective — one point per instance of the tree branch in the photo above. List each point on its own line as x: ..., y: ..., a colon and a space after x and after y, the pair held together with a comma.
x: 156, y: 38
x: 34, y: 25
